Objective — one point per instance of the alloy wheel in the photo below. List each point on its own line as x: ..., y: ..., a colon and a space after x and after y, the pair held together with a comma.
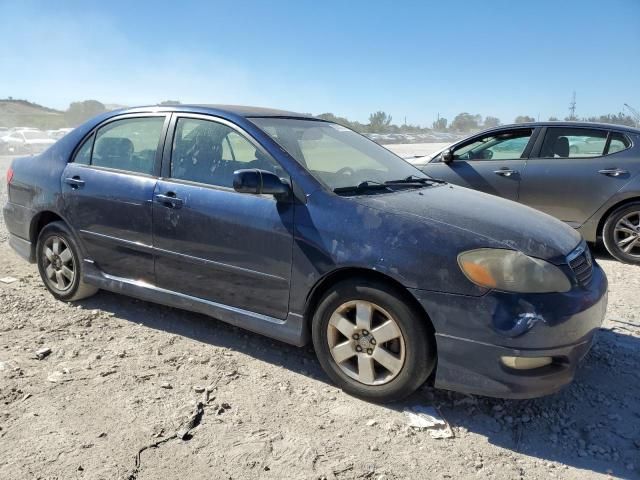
x: 627, y: 234
x: 366, y: 342
x: 59, y: 264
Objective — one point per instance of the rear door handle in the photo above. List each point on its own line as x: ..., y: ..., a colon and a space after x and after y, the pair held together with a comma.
x: 75, y: 181
x: 613, y: 172
x: 505, y: 172
x: 169, y: 200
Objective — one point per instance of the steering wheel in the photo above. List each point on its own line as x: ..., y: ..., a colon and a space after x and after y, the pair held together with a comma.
x: 345, y: 171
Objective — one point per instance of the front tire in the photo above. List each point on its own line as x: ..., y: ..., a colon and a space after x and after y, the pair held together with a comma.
x: 621, y: 233
x: 60, y: 264
x: 371, y: 342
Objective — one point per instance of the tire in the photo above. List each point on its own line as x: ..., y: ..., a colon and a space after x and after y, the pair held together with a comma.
x: 621, y: 232
x: 57, y: 254
x: 412, y: 346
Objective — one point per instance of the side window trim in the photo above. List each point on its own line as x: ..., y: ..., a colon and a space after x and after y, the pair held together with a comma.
x: 159, y: 148
x: 165, y: 173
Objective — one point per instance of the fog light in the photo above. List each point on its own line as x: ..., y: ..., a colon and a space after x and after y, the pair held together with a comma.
x: 526, y: 363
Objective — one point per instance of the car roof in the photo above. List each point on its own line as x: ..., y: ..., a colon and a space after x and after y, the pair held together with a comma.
x: 608, y: 126
x: 238, y: 110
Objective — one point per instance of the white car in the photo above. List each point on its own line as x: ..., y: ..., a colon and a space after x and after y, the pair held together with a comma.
x: 26, y: 141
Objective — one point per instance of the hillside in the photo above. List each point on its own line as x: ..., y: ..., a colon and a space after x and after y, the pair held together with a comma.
x: 17, y: 113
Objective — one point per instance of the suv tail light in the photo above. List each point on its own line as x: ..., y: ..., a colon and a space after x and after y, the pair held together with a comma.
x: 9, y: 175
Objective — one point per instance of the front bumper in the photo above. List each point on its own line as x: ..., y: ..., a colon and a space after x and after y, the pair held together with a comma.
x: 473, y: 333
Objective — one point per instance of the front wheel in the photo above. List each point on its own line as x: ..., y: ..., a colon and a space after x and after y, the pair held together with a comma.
x: 59, y: 263
x: 371, y: 342
x: 621, y: 233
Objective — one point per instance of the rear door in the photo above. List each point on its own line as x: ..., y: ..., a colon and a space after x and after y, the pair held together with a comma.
x: 573, y: 171
x: 491, y: 162
x: 212, y: 242
x: 108, y: 191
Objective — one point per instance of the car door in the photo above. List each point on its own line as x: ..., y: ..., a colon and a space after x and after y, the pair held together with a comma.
x: 107, y: 192
x: 490, y: 162
x: 212, y: 242
x: 573, y: 171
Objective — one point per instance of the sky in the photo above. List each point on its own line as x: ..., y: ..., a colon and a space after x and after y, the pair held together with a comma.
x: 410, y: 59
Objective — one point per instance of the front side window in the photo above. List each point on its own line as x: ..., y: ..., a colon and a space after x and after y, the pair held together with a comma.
x: 568, y: 142
x: 497, y: 146
x: 129, y: 144
x: 209, y: 152
x: 333, y: 154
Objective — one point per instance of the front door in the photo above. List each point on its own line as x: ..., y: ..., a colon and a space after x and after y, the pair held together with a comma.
x: 492, y: 163
x: 108, y: 191
x: 575, y: 170
x: 212, y: 242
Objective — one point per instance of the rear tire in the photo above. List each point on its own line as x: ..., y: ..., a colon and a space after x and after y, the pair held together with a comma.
x: 60, y: 264
x: 371, y: 342
x: 621, y: 233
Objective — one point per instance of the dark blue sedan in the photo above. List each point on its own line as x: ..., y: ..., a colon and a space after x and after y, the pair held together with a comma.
x: 301, y: 229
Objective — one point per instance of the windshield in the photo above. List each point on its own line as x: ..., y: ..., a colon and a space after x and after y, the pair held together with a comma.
x: 29, y: 135
x: 336, y: 156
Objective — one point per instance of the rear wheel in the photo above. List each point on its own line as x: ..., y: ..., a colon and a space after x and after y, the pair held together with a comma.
x: 371, y: 342
x: 59, y: 264
x: 621, y: 233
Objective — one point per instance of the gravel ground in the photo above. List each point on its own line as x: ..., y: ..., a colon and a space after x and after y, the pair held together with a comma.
x: 124, y: 374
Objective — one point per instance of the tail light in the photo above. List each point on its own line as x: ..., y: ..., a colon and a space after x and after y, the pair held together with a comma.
x: 9, y: 175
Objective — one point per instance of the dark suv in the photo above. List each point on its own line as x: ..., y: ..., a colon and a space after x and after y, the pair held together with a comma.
x: 585, y: 174
x: 301, y: 229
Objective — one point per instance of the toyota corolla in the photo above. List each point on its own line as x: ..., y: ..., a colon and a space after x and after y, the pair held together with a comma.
x: 303, y: 230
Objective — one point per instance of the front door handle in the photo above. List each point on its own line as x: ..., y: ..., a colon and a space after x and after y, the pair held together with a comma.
x: 613, y: 172
x: 169, y: 200
x: 505, y: 172
x: 75, y: 182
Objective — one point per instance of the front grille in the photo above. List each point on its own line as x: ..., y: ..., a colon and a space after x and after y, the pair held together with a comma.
x: 581, y: 263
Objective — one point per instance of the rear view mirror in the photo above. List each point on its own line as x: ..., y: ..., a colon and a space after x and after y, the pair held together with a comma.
x: 257, y: 181
x: 447, y: 156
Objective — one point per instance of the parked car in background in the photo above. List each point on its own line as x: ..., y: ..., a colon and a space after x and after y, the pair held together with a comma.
x: 27, y: 141
x: 299, y: 228
x: 585, y: 174
x: 58, y: 133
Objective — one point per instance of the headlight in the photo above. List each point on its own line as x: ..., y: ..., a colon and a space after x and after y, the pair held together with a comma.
x: 512, y: 271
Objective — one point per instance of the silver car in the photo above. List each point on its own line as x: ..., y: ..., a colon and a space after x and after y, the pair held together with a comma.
x: 586, y: 174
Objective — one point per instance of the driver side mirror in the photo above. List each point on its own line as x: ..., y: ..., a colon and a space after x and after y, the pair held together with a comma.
x: 447, y: 156
x: 257, y: 181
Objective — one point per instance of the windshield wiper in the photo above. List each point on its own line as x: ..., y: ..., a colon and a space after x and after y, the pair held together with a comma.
x: 414, y: 179
x: 367, y: 185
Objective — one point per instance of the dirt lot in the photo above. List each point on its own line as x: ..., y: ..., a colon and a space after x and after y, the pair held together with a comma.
x: 124, y: 374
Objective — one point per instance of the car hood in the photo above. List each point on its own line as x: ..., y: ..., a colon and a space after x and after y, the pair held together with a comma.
x: 512, y: 224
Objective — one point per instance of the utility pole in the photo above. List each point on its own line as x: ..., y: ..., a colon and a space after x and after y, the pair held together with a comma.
x: 572, y: 107
x: 634, y: 113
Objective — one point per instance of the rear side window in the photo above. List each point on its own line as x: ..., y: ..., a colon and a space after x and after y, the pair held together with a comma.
x: 129, y: 144
x: 618, y: 143
x: 562, y: 142
x: 83, y: 155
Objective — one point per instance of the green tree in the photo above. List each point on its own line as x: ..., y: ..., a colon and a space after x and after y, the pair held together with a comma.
x: 465, y: 122
x: 553, y: 119
x: 490, y: 122
x: 78, y: 112
x: 440, y: 124
x: 379, y: 122
x: 524, y: 119
x: 170, y: 102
